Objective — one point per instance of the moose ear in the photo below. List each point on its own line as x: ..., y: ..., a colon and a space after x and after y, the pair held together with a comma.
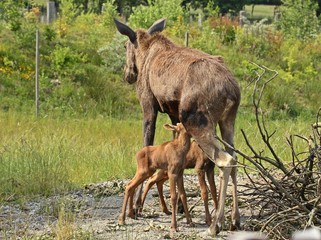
x: 157, y: 26
x: 169, y: 127
x: 125, y: 30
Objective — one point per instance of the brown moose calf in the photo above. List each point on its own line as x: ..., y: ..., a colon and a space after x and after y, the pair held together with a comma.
x: 195, y: 158
x: 169, y: 156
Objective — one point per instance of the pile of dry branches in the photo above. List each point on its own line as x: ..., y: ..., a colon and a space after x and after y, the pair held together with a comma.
x: 286, y: 195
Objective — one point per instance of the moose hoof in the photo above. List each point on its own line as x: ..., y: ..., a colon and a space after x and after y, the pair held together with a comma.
x: 208, y: 222
x: 235, y: 226
x: 214, y: 230
x: 121, y: 222
x: 132, y: 214
x: 191, y: 224
x: 167, y: 212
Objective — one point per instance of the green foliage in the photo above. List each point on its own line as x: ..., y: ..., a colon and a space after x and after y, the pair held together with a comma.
x: 211, y: 9
x: 109, y: 13
x: 299, y: 19
x: 11, y: 13
x: 113, y: 54
x: 67, y: 11
x: 145, y: 16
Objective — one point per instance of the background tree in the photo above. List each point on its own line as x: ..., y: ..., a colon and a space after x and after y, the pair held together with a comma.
x: 299, y: 19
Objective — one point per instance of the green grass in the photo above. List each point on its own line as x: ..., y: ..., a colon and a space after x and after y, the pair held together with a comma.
x: 46, y: 155
x: 42, y: 156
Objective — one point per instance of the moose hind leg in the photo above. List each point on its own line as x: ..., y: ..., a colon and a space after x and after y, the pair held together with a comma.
x: 227, y: 132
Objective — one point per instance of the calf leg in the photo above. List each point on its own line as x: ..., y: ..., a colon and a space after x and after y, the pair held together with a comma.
x: 129, y: 193
x: 149, y: 125
x: 159, y: 178
x: 182, y: 194
x: 160, y: 185
x: 204, y: 195
x: 211, y: 182
x: 172, y: 187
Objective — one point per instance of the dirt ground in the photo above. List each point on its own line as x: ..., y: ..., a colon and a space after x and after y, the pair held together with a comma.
x: 92, y: 213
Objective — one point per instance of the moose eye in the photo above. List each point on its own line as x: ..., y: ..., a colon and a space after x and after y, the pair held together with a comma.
x: 125, y: 46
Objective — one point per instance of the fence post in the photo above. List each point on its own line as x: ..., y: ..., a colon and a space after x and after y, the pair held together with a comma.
x: 37, y: 73
x: 200, y: 20
x: 186, y: 39
x: 242, y: 16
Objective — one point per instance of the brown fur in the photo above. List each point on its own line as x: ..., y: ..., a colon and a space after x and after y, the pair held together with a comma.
x: 169, y: 156
x: 195, y: 158
x: 193, y: 88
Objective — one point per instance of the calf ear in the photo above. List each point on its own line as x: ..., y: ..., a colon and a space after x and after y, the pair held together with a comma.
x: 157, y: 26
x: 169, y: 127
x: 125, y: 30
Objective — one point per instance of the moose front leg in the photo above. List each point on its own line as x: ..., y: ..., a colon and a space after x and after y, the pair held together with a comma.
x: 149, y: 126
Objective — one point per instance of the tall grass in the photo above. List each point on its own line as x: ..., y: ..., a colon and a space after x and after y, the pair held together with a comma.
x: 47, y: 155
x: 42, y: 156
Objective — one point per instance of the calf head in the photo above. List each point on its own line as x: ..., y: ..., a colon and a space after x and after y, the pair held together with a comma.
x: 178, y: 129
x: 130, y: 69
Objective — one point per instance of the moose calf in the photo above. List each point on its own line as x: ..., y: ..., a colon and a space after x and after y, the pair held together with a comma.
x: 169, y: 156
x: 195, y: 158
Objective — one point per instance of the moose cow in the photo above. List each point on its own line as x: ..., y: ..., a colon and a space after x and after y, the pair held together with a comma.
x: 193, y: 88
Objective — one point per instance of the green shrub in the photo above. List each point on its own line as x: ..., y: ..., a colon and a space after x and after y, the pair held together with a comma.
x: 299, y: 19
x: 145, y: 16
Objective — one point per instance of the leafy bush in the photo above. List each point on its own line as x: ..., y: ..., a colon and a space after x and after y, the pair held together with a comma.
x: 299, y: 19
x: 144, y: 16
x: 11, y: 13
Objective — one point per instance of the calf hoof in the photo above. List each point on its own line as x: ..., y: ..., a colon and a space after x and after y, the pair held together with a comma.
x: 172, y: 233
x: 174, y: 228
x: 121, y: 221
x: 137, y: 212
x: 132, y: 214
x: 167, y: 212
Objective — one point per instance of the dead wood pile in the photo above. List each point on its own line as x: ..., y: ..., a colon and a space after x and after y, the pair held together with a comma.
x: 286, y: 197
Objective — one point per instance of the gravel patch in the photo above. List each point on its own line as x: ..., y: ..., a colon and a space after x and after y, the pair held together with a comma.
x: 92, y: 213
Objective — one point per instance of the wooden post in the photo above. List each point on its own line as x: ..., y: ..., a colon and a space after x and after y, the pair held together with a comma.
x: 37, y: 73
x: 186, y: 39
x: 200, y: 20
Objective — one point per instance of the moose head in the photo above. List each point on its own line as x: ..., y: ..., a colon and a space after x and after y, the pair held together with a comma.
x: 130, y: 69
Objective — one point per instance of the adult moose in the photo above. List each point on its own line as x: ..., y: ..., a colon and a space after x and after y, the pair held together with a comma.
x: 193, y: 88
